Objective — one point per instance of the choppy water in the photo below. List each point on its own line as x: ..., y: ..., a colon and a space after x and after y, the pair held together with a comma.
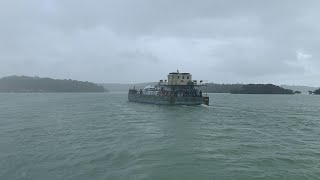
x: 103, y: 136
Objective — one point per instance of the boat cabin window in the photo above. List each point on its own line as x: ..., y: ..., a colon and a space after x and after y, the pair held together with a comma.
x: 178, y: 77
x: 187, y: 77
x: 182, y: 77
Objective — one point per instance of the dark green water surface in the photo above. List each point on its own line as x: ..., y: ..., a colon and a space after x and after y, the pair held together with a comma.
x: 103, y: 136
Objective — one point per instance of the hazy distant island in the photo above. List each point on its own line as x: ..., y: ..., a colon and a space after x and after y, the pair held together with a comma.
x: 262, y: 89
x: 219, y: 88
x: 36, y: 84
x: 299, y: 88
x: 297, y: 92
x: 316, y: 92
x: 228, y: 88
x: 211, y: 88
x: 231, y: 88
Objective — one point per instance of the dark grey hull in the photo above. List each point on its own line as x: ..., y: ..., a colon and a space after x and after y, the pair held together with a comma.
x: 168, y: 100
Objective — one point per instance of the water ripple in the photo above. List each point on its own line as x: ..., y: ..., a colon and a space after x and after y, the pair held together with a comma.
x: 103, y: 136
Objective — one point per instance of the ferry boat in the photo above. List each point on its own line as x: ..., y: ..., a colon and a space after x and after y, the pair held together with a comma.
x: 178, y: 89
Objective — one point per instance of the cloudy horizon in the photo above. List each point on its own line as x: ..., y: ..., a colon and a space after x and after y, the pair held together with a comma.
x: 123, y: 41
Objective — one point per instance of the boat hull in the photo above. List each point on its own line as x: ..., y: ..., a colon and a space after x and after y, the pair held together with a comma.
x: 167, y: 100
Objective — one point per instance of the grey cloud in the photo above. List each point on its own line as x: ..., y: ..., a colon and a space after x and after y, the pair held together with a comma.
x: 219, y: 40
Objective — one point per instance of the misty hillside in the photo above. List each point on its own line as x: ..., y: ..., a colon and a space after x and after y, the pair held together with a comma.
x: 262, y: 89
x: 112, y: 87
x: 317, y: 92
x: 211, y: 88
x: 302, y: 89
x: 221, y: 88
x: 36, y: 84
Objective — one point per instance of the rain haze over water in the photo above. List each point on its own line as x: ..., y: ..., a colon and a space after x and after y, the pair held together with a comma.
x: 126, y: 43
x: 223, y: 41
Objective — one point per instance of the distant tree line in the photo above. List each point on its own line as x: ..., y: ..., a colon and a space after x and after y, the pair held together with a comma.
x: 297, y: 92
x: 262, y: 89
x: 36, y: 84
x: 317, y: 92
x: 221, y: 88
x: 246, y: 89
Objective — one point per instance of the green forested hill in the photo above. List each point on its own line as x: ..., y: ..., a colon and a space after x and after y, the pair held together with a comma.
x: 317, y: 92
x: 262, y: 89
x: 221, y: 88
x: 214, y: 88
x: 36, y: 84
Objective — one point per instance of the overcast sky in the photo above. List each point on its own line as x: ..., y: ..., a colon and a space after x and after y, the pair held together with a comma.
x: 129, y: 41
